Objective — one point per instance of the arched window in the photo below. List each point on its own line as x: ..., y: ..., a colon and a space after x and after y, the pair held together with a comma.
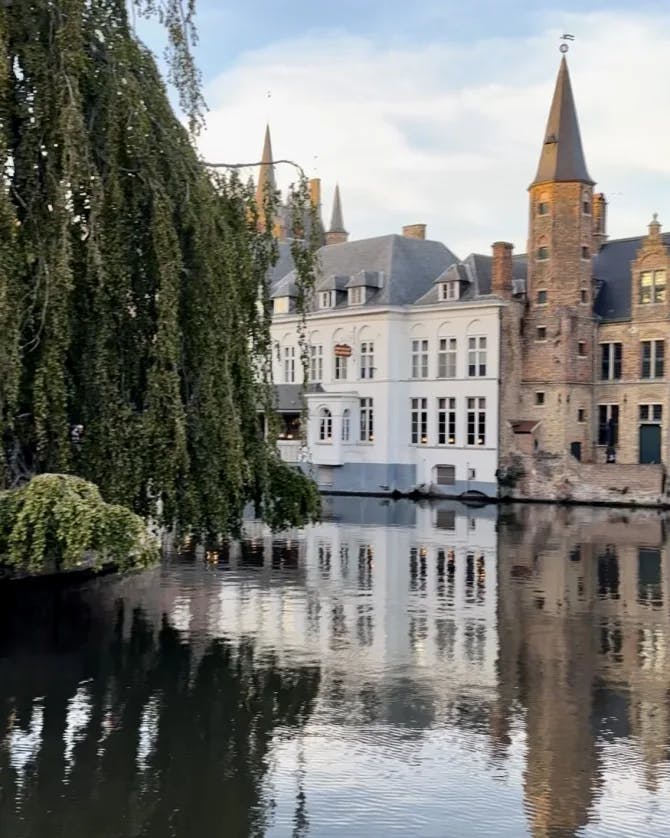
x: 346, y: 425
x: 325, y: 425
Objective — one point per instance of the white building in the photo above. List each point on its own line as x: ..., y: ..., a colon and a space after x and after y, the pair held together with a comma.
x: 404, y: 371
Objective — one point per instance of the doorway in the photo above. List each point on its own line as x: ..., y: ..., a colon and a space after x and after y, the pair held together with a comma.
x: 650, y: 443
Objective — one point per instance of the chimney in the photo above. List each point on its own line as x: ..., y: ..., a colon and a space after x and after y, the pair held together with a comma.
x: 414, y: 231
x: 599, y: 221
x: 501, y: 271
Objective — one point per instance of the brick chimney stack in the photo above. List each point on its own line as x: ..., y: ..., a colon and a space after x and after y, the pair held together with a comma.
x: 414, y: 231
x: 599, y: 221
x: 501, y: 271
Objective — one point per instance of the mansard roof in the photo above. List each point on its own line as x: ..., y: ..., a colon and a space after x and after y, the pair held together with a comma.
x: 611, y: 270
x: 408, y: 267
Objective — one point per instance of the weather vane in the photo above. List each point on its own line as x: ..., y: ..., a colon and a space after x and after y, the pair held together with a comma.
x: 566, y: 37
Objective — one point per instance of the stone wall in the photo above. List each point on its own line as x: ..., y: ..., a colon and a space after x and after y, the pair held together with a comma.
x: 567, y: 480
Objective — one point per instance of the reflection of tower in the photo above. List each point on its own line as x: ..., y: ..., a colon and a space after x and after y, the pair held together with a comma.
x: 547, y: 662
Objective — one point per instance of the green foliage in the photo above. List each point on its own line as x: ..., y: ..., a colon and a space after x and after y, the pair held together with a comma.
x: 60, y: 522
x: 292, y: 499
x: 133, y: 281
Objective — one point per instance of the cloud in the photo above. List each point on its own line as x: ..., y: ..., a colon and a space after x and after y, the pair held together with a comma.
x: 450, y: 134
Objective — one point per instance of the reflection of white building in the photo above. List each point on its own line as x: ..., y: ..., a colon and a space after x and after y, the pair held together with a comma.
x: 416, y: 598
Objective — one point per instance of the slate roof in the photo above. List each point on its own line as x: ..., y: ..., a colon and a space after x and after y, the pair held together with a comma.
x: 475, y: 273
x: 408, y: 268
x: 288, y: 397
x: 562, y: 157
x: 611, y: 270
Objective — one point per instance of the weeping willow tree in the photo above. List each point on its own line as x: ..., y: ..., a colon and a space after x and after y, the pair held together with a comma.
x: 133, y: 280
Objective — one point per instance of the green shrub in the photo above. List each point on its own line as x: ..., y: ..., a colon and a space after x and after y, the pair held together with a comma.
x: 60, y: 522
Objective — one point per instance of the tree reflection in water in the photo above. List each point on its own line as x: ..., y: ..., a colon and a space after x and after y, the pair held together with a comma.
x: 139, y: 735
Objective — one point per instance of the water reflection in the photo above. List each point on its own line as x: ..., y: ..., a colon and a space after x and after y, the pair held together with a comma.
x: 401, y: 668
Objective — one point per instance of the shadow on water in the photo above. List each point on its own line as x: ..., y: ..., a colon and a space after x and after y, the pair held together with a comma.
x: 417, y: 669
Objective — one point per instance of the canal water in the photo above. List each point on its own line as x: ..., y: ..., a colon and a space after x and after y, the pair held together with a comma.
x: 400, y: 669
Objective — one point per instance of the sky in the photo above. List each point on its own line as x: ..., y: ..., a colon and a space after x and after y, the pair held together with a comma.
x: 434, y: 111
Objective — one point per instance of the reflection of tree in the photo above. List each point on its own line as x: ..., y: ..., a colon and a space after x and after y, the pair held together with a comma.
x: 214, y: 720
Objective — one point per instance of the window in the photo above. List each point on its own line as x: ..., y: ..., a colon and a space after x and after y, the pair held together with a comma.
x: 586, y: 253
x: 476, y: 356
x: 316, y: 363
x: 652, y: 358
x: 356, y: 296
x: 543, y: 252
x: 367, y: 421
x: 541, y: 333
x: 476, y: 421
x: 445, y: 476
x: 581, y: 349
x: 539, y: 397
x: 542, y: 208
x: 652, y: 287
x: 367, y: 359
x: 289, y: 364
x: 325, y: 299
x: 449, y: 291
x: 340, y: 367
x: 419, y: 424
x: 446, y: 421
x: 586, y: 206
x: 581, y: 415
x: 419, y: 359
x: 542, y: 297
x: 325, y: 425
x: 281, y: 305
x: 608, y: 424
x: 346, y: 425
x: 472, y: 475
x: 446, y: 358
x: 651, y: 412
x: 583, y: 296
x: 610, y: 361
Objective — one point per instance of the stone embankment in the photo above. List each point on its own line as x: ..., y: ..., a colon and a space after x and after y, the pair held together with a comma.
x: 566, y: 480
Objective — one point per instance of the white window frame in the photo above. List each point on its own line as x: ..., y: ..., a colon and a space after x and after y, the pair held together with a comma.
x: 418, y: 433
x: 346, y: 425
x: 325, y: 425
x: 367, y: 420
x: 367, y: 359
x: 289, y: 364
x: 340, y: 367
x: 447, y: 357
x: 316, y: 363
x: 449, y: 291
x: 446, y: 420
x: 419, y: 350
x: 475, y: 415
x: 325, y: 299
x: 357, y: 296
x: 477, y: 356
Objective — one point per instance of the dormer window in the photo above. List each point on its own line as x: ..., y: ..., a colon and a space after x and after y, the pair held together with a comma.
x: 281, y: 305
x: 326, y: 299
x: 356, y: 296
x: 449, y: 291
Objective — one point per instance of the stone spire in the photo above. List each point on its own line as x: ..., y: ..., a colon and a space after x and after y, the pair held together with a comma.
x: 562, y: 157
x: 267, y: 172
x: 337, y: 234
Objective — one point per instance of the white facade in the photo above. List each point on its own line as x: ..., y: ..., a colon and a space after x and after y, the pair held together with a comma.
x: 429, y: 373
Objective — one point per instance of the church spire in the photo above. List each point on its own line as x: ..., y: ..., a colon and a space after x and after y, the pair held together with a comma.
x: 267, y: 172
x: 337, y: 234
x: 562, y: 157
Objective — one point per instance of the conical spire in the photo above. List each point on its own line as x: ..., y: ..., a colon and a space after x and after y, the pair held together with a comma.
x: 337, y: 234
x: 562, y: 157
x: 267, y: 172
x: 336, y: 221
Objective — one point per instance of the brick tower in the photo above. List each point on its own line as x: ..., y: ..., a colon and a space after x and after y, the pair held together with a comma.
x: 559, y: 328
